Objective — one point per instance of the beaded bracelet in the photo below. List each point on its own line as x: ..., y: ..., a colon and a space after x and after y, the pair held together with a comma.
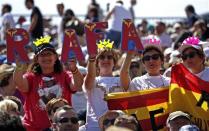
x: 92, y: 59
x: 75, y: 71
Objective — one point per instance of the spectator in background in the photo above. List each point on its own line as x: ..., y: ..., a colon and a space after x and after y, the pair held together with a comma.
x: 160, y: 31
x: 7, y: 84
x: 119, y: 12
x: 129, y: 122
x: 92, y: 15
x: 9, y: 106
x: 9, y: 122
x: 60, y: 10
x: 53, y: 105
x: 201, y: 30
x: 189, y: 128
x: 7, y: 21
x: 133, y: 3
x: 192, y: 17
x: 94, y: 4
x: 108, y: 118
x: 65, y: 119
x: 18, y: 102
x: 36, y: 28
x: 176, y: 120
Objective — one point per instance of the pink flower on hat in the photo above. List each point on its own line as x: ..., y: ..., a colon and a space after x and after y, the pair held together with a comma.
x: 191, y: 41
x: 152, y: 41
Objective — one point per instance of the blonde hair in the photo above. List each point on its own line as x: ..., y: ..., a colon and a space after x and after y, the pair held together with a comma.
x: 8, y: 106
x: 114, y: 52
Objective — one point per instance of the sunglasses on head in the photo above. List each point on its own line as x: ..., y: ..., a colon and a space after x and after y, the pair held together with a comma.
x: 109, y: 57
x: 149, y: 57
x: 73, y: 120
x: 107, y: 122
x: 189, y: 55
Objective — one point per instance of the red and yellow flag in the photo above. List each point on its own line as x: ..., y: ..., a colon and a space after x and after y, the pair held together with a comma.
x: 187, y: 93
x: 190, y: 94
x: 149, y: 106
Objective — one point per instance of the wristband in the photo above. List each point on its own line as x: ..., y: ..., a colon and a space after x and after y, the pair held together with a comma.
x: 75, y: 71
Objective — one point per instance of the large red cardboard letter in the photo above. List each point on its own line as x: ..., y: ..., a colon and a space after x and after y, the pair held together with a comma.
x: 129, y: 34
x: 92, y: 36
x: 71, y: 47
x: 16, y: 45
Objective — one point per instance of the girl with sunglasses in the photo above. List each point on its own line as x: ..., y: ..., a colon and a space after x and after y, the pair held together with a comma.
x: 193, y: 57
x: 98, y: 82
x: 152, y: 59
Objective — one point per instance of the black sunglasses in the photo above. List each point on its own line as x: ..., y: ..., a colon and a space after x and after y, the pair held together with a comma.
x: 134, y: 66
x: 153, y: 57
x: 107, y: 122
x: 73, y: 120
x: 109, y: 57
x: 55, y: 109
x: 189, y: 55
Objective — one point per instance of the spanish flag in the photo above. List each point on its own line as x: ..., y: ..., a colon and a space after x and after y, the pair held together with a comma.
x: 149, y: 106
x: 190, y: 94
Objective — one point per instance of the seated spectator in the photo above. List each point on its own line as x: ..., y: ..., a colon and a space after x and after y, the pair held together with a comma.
x: 10, y: 122
x: 7, y: 85
x: 53, y: 105
x: 18, y: 102
x: 65, y: 119
x: 108, y: 119
x: 189, y: 128
x: 177, y: 119
x: 9, y: 106
x: 126, y: 121
x: 115, y: 128
x: 135, y: 68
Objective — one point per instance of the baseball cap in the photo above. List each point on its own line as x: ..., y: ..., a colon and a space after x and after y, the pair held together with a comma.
x: 6, y: 69
x: 191, y: 42
x: 189, y: 128
x: 44, y: 47
x: 43, y: 44
x: 176, y: 114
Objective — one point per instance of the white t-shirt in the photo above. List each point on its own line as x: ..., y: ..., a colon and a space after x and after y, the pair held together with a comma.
x: 79, y: 101
x: 146, y: 82
x: 165, y: 40
x: 120, y: 13
x: 7, y: 18
x: 204, y: 75
x: 96, y: 106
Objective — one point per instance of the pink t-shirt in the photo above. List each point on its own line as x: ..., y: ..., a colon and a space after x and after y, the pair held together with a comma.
x: 41, y: 90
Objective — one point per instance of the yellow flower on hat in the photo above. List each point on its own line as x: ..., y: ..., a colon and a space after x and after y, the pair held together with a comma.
x: 105, y: 44
x: 42, y: 40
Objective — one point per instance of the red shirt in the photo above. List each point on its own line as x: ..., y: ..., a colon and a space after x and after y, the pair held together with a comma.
x: 41, y: 90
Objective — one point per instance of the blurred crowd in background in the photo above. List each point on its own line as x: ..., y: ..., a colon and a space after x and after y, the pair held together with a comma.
x: 170, y: 35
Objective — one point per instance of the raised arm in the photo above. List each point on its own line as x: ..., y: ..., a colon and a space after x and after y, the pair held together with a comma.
x: 109, y: 15
x: 91, y: 74
x: 20, y: 81
x: 124, y: 73
x: 77, y: 81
